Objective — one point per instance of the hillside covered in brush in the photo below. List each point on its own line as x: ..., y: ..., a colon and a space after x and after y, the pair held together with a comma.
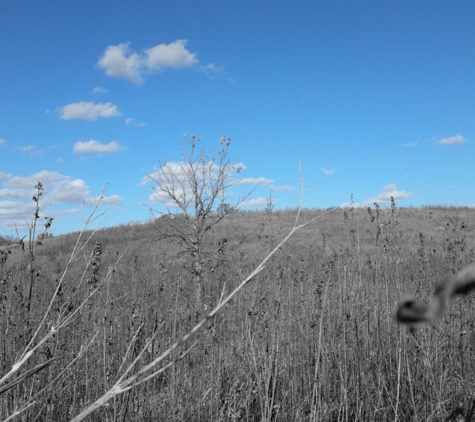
x: 311, y: 337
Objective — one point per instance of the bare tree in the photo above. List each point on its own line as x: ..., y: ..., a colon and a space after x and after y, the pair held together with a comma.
x: 197, y: 187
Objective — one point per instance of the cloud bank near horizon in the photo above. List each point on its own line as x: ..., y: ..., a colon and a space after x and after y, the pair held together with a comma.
x: 382, y: 198
x: 60, y: 190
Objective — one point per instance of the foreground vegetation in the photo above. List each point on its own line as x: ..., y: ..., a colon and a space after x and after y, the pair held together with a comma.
x: 311, y: 337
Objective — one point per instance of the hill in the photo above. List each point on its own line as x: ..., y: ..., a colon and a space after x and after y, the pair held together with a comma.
x: 311, y: 337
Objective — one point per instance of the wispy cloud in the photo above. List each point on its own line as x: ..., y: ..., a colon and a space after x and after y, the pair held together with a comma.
x: 16, y: 206
x: 120, y: 61
x: 383, y: 198
x: 30, y: 150
x: 327, y: 172
x: 130, y: 121
x: 212, y: 69
x: 108, y: 200
x: 453, y: 140
x: 283, y: 187
x: 27, y: 148
x: 93, y: 146
x: 256, y: 202
x: 262, y: 181
x: 99, y: 90
x: 410, y: 144
x: 88, y: 111
x: 3, y: 142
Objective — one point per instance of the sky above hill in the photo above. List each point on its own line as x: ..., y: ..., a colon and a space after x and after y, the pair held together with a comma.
x: 375, y: 98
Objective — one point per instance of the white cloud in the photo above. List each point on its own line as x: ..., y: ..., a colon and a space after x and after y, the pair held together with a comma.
x: 410, y: 144
x: 130, y: 121
x: 99, y: 90
x: 3, y: 142
x: 28, y: 148
x: 158, y: 196
x: 109, y: 200
x: 453, y: 140
x: 93, y: 146
x: 174, y: 55
x: 16, y: 192
x: 327, y: 172
x: 177, y: 172
x: 67, y: 190
x: 261, y: 181
x: 11, y: 193
x: 174, y: 177
x: 383, y: 198
x: 211, y: 68
x: 257, y: 202
x: 283, y: 187
x: 120, y: 61
x: 88, y: 110
x: 171, y: 172
x: 214, y: 71
x: 18, y: 182
x: 15, y: 213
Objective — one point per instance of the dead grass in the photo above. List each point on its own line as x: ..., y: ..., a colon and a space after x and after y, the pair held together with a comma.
x: 313, y: 337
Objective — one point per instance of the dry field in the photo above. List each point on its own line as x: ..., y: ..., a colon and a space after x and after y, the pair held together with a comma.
x: 312, y: 337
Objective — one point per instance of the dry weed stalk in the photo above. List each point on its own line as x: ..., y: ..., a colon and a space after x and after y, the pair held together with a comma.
x: 33, y: 241
x: 414, y: 312
x: 63, y: 320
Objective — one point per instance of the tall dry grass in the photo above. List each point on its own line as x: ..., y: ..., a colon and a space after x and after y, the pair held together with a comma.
x: 312, y: 338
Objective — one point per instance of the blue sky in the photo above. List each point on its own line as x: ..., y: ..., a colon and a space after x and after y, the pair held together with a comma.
x: 376, y: 98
